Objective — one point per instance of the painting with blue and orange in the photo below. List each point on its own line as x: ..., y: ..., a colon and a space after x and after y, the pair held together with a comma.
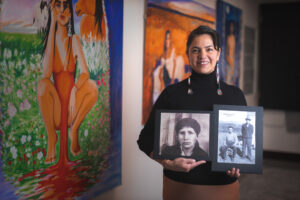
x: 229, y: 22
x: 168, y: 24
x: 60, y: 86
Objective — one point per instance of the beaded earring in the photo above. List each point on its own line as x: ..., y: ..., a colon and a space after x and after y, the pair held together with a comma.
x: 219, y: 91
x: 190, y: 91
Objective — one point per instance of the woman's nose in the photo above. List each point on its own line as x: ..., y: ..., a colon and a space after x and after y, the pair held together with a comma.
x: 201, y: 54
x: 185, y: 136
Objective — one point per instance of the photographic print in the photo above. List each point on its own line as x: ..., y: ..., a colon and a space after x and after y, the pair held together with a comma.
x: 237, y: 138
x: 168, y: 23
x: 182, y: 134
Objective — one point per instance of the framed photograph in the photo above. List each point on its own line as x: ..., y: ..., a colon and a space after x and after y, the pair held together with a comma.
x: 182, y: 134
x: 237, y: 138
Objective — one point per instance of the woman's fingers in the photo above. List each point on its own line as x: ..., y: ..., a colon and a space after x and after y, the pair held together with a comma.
x: 234, y: 172
x: 182, y: 164
x: 237, y: 174
x: 193, y: 164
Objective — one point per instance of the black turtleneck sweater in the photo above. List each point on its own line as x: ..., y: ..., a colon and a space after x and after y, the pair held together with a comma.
x: 175, y: 97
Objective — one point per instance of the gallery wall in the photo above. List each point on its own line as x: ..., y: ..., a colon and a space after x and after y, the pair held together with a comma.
x: 141, y: 176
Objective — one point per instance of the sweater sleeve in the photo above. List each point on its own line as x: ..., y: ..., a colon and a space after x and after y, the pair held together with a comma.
x: 146, y: 137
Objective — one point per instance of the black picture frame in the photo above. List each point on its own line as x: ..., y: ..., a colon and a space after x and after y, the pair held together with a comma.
x: 246, y: 153
x: 167, y: 145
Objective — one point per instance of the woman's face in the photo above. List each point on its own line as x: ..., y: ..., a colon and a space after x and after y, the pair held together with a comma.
x: 187, y: 137
x: 62, y: 11
x: 203, y: 56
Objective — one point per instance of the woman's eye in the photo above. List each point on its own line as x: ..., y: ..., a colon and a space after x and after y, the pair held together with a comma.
x: 209, y: 49
x: 195, y: 51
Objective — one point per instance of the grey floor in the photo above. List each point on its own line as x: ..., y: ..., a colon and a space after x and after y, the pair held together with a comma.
x: 280, y: 181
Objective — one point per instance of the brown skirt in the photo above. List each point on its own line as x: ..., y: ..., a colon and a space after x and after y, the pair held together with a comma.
x: 173, y: 190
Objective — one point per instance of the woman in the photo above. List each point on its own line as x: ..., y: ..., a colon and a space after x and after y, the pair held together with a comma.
x: 65, y: 103
x: 169, y: 68
x: 187, y: 131
x: 185, y: 178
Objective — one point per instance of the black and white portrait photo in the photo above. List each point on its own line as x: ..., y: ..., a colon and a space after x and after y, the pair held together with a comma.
x: 184, y: 135
x: 236, y: 137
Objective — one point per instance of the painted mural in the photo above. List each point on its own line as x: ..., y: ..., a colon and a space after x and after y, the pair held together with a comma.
x: 60, y: 86
x: 168, y: 24
x: 229, y: 22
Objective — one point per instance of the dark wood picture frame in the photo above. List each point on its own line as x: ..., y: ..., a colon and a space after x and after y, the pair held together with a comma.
x: 167, y: 145
x: 236, y: 144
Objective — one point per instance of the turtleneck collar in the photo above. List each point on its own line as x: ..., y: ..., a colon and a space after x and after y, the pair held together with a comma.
x: 204, y: 80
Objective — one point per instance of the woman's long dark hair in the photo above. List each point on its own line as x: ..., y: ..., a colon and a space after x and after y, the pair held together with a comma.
x: 49, y: 23
x: 99, y: 15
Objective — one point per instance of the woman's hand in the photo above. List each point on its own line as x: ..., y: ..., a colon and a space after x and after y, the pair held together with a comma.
x: 53, y: 13
x: 181, y: 164
x: 233, y: 172
x: 72, y: 102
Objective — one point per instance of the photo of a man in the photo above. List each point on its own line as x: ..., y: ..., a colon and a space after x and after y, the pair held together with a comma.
x: 247, y: 132
x: 230, y: 145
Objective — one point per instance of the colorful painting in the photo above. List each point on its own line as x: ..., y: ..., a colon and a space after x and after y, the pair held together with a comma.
x: 229, y: 22
x: 168, y: 24
x: 60, y: 88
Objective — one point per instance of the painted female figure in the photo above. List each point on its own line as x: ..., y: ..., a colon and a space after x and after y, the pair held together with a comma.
x: 66, y: 102
x: 169, y: 68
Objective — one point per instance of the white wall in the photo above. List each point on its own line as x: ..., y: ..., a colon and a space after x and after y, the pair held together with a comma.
x: 142, y: 177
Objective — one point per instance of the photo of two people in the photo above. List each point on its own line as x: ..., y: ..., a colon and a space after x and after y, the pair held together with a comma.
x: 230, y: 136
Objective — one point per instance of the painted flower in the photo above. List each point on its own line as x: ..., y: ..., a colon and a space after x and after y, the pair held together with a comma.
x: 25, y: 71
x: 103, y: 82
x: 27, y: 105
x: 39, y: 155
x: 9, y: 90
x: 8, y: 53
x: 28, y: 138
x: 19, y: 94
x: 6, y: 123
x: 98, y: 82
x: 86, y: 132
x: 16, y: 52
x: 24, y: 62
x: 21, y: 106
x: 13, y: 151
x: 37, y: 143
x: 28, y: 155
x: 11, y: 110
x: 23, y: 139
